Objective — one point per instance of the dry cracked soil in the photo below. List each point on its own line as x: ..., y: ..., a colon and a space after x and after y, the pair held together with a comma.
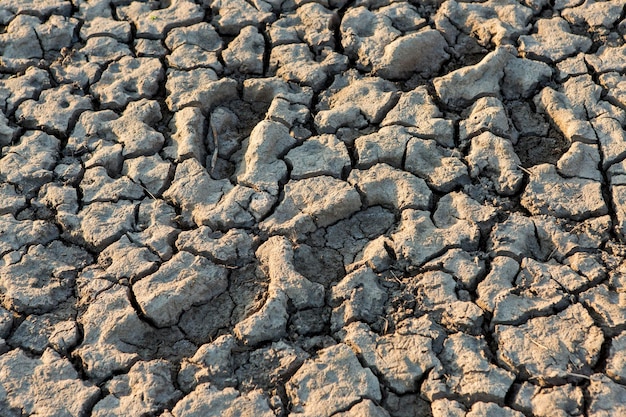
x: 315, y: 208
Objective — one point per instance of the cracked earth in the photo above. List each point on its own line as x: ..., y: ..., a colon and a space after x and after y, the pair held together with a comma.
x: 349, y: 208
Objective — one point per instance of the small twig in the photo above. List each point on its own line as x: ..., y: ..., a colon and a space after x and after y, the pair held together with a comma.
x: 578, y: 375
x: 525, y: 170
x: 147, y: 191
x: 538, y: 344
x: 216, y: 150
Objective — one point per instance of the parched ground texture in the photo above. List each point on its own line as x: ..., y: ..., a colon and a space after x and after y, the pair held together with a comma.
x: 357, y: 208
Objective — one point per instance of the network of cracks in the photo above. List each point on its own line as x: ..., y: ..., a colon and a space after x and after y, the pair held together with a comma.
x: 363, y: 208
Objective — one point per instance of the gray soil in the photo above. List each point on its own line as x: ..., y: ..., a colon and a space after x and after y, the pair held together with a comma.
x: 364, y: 208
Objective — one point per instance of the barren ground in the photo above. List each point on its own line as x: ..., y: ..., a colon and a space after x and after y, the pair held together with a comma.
x: 358, y: 208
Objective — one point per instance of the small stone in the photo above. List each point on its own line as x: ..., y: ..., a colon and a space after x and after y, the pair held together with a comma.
x: 574, y: 198
x: 390, y: 187
x: 331, y: 382
x: 166, y: 294
x: 245, y: 52
x: 570, y: 339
